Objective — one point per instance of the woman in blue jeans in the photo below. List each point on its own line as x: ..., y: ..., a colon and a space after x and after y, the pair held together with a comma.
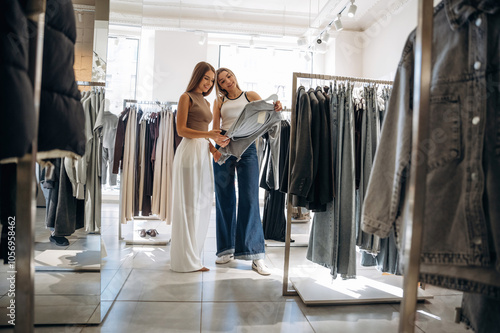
x: 239, y: 236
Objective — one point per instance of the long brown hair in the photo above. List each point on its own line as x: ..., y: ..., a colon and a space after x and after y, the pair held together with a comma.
x: 219, y: 91
x: 198, y: 73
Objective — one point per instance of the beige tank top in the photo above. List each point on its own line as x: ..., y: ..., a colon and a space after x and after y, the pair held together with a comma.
x: 199, y: 115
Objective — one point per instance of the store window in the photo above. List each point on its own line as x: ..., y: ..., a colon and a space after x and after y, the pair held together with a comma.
x: 121, y: 74
x: 265, y: 71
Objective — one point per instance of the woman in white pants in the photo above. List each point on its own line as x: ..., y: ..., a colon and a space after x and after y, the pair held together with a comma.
x: 192, y: 175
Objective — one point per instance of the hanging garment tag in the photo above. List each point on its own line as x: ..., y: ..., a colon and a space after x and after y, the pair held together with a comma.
x: 262, y: 117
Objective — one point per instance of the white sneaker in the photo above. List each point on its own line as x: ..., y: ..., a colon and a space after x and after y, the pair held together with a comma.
x: 224, y: 259
x: 260, y: 267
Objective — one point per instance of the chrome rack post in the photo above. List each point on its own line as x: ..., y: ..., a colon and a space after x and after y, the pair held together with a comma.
x: 415, y: 197
x: 25, y: 191
x: 288, y: 235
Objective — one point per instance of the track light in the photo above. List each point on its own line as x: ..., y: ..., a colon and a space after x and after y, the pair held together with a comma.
x: 338, y: 23
x: 352, y: 9
x: 301, y: 41
x: 325, y: 36
x: 272, y: 51
x: 203, y: 39
x: 307, y: 57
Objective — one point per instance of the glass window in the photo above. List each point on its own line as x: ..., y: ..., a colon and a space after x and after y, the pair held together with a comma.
x: 121, y: 73
x: 265, y: 71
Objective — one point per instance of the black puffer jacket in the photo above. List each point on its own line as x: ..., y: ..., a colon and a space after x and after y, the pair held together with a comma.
x: 16, y: 91
x: 62, y: 123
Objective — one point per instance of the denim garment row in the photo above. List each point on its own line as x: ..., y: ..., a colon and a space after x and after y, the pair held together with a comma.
x: 461, y: 240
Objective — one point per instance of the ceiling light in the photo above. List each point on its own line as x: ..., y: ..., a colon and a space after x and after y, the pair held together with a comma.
x: 352, y: 9
x: 338, y: 23
x: 325, y: 36
x: 321, y: 48
x: 301, y: 41
x: 203, y: 39
x: 307, y: 56
x: 272, y: 51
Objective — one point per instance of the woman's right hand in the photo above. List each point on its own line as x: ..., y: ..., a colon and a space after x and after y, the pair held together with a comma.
x: 214, y: 134
x: 222, y: 141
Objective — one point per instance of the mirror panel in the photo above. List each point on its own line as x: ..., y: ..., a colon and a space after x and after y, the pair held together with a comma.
x: 68, y: 275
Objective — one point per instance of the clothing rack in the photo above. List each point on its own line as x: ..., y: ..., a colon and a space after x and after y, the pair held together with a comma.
x: 414, y: 205
x: 296, y: 77
x: 312, y: 292
x: 25, y: 197
x: 120, y: 236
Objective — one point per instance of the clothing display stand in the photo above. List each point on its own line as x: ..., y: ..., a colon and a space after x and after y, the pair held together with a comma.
x: 415, y: 203
x: 312, y: 291
x: 25, y: 197
x: 133, y: 238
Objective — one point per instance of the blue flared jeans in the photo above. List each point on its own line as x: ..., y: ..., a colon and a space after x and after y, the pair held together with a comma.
x: 239, y: 227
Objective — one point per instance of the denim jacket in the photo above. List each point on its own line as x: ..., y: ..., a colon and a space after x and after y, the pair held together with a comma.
x: 461, y: 240
x: 257, y: 118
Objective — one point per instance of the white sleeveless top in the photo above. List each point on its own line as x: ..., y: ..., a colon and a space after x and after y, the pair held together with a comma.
x: 231, y: 109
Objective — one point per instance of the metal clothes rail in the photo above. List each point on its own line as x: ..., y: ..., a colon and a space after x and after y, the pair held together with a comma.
x: 91, y: 83
x: 336, y: 78
x: 88, y: 85
x: 158, y: 103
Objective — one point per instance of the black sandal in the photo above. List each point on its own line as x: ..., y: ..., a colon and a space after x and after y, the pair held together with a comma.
x: 152, y: 232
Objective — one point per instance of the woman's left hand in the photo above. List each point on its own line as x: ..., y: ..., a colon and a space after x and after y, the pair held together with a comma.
x: 277, y: 106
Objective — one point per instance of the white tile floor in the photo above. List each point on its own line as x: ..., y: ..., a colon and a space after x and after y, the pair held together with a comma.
x: 144, y: 295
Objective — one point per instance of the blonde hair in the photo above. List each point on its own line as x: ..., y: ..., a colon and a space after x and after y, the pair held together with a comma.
x: 221, y: 93
x: 198, y: 73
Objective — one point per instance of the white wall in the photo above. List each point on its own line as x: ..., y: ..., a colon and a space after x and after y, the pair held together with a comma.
x: 101, y: 38
x: 383, y: 42
x: 175, y: 55
x: 348, y: 58
x: 145, y: 66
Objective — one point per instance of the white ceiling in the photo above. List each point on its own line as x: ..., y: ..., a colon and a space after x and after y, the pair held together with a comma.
x: 278, y: 18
